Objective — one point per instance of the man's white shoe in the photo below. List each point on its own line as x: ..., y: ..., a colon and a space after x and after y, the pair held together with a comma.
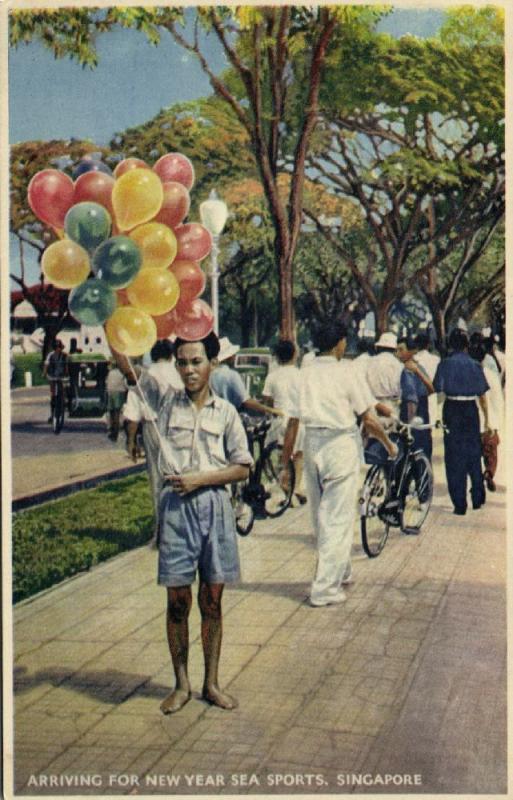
x: 340, y: 597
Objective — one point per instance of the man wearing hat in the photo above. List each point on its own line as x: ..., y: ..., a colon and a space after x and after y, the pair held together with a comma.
x: 227, y: 383
x: 384, y: 372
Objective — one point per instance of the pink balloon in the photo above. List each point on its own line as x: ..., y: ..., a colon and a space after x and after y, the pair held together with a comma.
x: 194, y: 321
x: 175, y: 205
x: 194, y: 242
x: 129, y: 163
x: 50, y: 196
x: 95, y: 187
x: 175, y: 167
x: 191, y: 279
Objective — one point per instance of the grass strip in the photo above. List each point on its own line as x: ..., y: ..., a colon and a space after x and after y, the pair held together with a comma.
x: 67, y: 536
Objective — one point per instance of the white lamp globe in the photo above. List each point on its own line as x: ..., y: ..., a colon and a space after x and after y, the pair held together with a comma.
x: 213, y: 213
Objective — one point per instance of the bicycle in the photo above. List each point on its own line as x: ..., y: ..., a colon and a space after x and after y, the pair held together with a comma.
x: 58, y: 404
x: 261, y: 494
x: 395, y: 493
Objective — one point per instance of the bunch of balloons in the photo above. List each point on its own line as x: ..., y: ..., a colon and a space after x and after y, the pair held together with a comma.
x: 124, y: 250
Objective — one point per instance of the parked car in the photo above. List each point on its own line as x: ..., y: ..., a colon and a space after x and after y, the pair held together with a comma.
x: 253, y: 364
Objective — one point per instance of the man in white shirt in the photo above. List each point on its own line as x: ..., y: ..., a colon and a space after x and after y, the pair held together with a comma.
x: 280, y: 387
x: 329, y: 400
x: 429, y: 363
x: 384, y: 372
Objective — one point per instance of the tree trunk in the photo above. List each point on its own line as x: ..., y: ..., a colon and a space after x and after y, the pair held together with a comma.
x: 381, y: 314
x: 287, y: 318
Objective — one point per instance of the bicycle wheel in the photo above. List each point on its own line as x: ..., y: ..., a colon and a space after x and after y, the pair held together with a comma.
x: 243, y: 511
x: 374, y: 531
x: 417, y: 493
x: 58, y: 411
x: 276, y: 499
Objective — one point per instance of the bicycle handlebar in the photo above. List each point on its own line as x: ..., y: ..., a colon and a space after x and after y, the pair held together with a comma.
x: 415, y: 426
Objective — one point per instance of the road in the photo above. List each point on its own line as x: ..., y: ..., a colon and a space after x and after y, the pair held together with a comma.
x: 41, y: 460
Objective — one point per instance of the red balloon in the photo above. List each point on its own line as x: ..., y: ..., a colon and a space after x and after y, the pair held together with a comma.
x: 50, y: 196
x: 165, y: 325
x: 175, y: 205
x: 191, y: 279
x: 129, y: 163
x: 96, y: 187
x: 194, y: 242
x: 194, y: 321
x: 175, y: 167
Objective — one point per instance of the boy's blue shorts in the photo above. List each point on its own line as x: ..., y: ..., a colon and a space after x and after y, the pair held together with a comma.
x: 197, y: 534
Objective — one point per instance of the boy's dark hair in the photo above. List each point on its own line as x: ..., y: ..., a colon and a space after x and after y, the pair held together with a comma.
x: 327, y: 334
x: 210, y: 343
x: 284, y: 350
x: 421, y: 341
x: 458, y: 340
x: 161, y: 349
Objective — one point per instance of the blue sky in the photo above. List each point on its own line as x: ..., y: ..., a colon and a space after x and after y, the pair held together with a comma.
x: 58, y: 99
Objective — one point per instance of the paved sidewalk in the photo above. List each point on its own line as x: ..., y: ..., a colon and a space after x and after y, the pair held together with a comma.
x: 407, y: 679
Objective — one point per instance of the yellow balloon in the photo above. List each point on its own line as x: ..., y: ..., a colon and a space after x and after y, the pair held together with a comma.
x: 65, y: 264
x: 131, y: 332
x: 157, y: 243
x: 155, y: 291
x: 136, y: 198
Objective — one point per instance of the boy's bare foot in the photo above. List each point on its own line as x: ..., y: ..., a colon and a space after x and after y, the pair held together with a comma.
x: 175, y: 701
x: 216, y: 697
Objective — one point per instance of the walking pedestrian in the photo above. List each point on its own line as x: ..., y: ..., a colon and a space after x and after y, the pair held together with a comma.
x: 416, y: 388
x: 226, y: 382
x: 116, y: 396
x: 463, y: 382
x: 55, y: 369
x: 279, y: 387
x: 429, y: 361
x: 329, y: 400
x: 490, y: 439
x: 384, y: 372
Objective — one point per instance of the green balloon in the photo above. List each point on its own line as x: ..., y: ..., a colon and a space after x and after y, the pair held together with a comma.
x: 117, y: 261
x: 88, y: 224
x: 92, y: 303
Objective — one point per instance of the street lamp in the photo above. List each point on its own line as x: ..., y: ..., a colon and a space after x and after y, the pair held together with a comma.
x: 213, y: 213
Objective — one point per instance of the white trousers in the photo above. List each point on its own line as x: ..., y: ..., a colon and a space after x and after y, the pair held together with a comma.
x: 332, y: 470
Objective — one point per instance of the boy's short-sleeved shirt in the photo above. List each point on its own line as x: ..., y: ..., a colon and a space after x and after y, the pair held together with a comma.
x: 331, y: 394
x: 204, y: 440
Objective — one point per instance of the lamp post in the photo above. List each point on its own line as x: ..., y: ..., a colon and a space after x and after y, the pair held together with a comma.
x: 213, y: 213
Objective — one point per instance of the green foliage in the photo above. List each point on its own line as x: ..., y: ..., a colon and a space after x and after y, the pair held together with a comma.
x: 62, y: 538
x: 28, y: 362
x: 472, y: 26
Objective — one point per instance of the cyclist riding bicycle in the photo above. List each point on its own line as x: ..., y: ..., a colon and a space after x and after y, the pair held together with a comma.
x: 55, y: 369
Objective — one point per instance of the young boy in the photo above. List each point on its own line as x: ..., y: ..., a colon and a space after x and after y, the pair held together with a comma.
x: 208, y: 448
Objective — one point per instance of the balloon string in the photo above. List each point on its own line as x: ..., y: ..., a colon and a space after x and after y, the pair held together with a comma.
x: 151, y: 416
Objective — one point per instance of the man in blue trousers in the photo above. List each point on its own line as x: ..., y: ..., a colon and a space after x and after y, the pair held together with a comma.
x: 462, y: 381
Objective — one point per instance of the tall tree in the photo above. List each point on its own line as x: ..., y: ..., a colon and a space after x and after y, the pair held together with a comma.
x: 418, y: 144
x: 276, y: 55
